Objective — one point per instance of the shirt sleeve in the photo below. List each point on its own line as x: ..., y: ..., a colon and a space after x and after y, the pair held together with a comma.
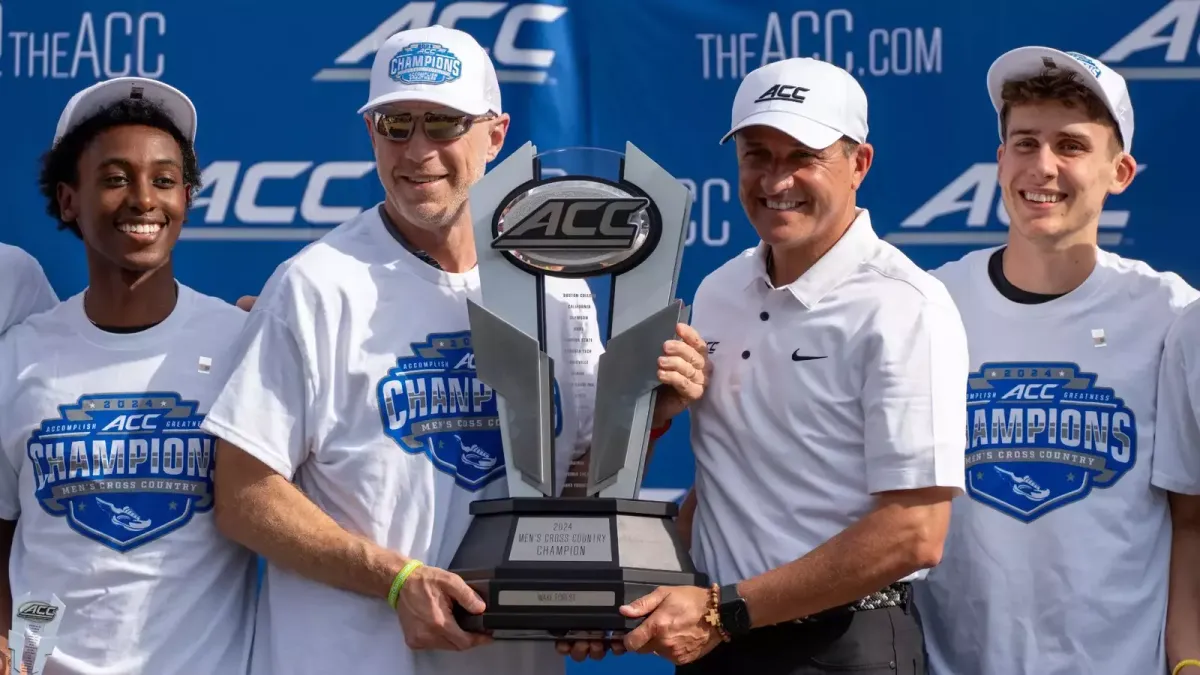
x: 10, y: 477
x: 34, y: 294
x: 915, y: 396
x: 263, y: 407
x: 1176, y: 461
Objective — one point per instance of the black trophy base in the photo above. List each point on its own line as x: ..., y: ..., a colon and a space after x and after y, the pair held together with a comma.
x: 561, y: 568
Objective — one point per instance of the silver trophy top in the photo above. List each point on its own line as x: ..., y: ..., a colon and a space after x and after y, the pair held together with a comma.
x: 583, y: 213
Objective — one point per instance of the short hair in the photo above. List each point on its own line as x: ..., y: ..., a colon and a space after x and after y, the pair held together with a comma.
x: 849, y: 145
x: 1059, y: 86
x: 60, y: 164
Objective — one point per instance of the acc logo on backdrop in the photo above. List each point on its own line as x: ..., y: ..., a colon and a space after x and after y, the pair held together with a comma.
x: 1163, y: 47
x: 432, y: 403
x: 425, y: 63
x: 123, y: 469
x: 1041, y: 436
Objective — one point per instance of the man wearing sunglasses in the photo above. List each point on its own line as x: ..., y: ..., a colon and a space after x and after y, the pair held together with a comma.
x: 356, y: 383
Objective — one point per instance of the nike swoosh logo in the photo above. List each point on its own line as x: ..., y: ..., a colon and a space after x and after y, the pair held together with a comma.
x: 796, y: 357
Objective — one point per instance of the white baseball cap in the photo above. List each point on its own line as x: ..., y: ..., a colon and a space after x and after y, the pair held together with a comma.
x: 1025, y: 62
x: 436, y: 65
x: 88, y: 102
x: 812, y: 101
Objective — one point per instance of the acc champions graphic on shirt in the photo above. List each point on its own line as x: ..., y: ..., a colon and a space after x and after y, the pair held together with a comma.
x: 124, y: 469
x: 431, y: 403
x: 425, y: 63
x: 1043, y: 435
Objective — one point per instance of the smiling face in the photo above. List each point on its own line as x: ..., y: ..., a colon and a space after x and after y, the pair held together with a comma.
x: 1060, y: 159
x: 426, y: 181
x: 794, y: 195
x: 130, y: 199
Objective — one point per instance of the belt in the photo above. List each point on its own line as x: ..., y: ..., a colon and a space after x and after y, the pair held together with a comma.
x: 895, y: 595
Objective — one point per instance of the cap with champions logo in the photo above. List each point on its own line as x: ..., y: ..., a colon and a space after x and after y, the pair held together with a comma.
x: 439, y: 65
x: 88, y: 102
x: 1105, y: 82
x: 812, y: 101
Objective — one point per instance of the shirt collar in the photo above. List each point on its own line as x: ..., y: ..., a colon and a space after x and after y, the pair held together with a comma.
x: 855, y: 246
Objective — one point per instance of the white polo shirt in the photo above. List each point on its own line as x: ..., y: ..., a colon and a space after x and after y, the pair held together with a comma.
x: 845, y: 383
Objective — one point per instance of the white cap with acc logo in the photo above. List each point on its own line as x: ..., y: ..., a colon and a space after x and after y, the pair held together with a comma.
x: 812, y: 101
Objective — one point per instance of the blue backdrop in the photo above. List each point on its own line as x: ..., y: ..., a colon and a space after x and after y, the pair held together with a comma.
x: 285, y: 157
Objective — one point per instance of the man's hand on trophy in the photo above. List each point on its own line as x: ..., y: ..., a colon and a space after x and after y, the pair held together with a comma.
x: 684, y: 370
x: 675, y: 627
x: 580, y: 650
x: 426, y: 611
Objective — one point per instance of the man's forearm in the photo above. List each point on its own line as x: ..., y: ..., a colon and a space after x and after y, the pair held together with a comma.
x: 886, y: 545
x: 1183, y: 607
x: 264, y: 512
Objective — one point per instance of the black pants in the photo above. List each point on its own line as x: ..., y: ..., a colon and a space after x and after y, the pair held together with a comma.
x: 876, y: 642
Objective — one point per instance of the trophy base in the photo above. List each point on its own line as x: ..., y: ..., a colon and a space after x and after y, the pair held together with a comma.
x: 560, y: 568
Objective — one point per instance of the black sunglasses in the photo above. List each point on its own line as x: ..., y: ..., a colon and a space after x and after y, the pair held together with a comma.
x: 438, y: 126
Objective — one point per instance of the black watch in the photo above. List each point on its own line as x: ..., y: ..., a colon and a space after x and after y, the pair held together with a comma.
x: 735, y: 616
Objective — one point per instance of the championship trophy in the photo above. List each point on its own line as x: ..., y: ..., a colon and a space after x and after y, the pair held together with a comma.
x: 550, y: 566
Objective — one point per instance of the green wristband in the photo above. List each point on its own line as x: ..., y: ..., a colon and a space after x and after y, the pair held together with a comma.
x: 401, y: 577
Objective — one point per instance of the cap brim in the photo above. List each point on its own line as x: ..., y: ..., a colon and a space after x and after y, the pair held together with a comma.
x: 1026, y: 62
x: 476, y: 107
x: 812, y: 134
x: 178, y: 107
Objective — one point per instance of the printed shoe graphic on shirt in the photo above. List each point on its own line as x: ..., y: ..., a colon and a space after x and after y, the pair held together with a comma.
x: 125, y: 517
x: 1025, y: 486
x: 475, y: 455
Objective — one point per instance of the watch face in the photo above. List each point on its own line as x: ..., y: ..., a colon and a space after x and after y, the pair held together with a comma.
x: 734, y: 616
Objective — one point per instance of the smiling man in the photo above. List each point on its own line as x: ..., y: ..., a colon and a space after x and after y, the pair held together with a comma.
x: 355, y: 433
x: 829, y: 442
x: 106, y: 493
x: 1058, y: 561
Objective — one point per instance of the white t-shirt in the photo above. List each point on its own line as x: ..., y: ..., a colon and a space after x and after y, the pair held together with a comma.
x: 24, y: 289
x: 1056, y: 562
x: 1177, y: 448
x: 105, y: 468
x: 843, y: 384
x: 355, y: 370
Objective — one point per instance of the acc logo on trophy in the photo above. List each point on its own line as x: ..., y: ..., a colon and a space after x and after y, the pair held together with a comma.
x: 576, y: 226
x: 37, y: 611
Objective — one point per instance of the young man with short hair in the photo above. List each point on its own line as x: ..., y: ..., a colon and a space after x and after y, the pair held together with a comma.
x: 106, y: 479
x: 1057, y: 560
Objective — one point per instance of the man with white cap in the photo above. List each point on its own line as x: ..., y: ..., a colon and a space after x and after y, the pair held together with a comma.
x: 829, y: 441
x: 26, y: 291
x: 115, y: 565
x: 1058, y: 559
x: 355, y: 432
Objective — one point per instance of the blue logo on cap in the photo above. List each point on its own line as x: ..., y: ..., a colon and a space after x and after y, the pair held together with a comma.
x: 425, y: 63
x: 1087, y: 62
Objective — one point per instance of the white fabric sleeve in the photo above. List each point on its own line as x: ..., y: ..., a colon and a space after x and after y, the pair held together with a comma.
x: 263, y: 407
x: 10, y: 478
x: 1176, y: 459
x: 915, y: 396
x: 32, y: 295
